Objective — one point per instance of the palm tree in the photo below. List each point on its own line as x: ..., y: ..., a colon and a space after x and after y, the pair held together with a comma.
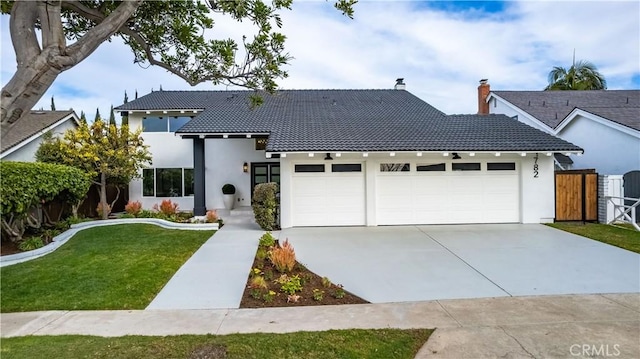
x: 582, y: 75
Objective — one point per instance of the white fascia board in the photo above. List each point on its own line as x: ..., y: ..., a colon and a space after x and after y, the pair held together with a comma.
x: 72, y: 116
x: 186, y: 111
x: 521, y: 112
x: 601, y: 120
x: 415, y: 153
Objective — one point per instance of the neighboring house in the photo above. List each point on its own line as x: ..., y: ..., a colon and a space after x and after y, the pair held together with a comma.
x: 345, y: 157
x: 606, y: 124
x: 21, y: 142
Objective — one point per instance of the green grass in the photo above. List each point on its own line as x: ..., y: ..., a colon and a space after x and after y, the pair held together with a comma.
x: 383, y: 344
x: 110, y: 267
x: 620, y: 237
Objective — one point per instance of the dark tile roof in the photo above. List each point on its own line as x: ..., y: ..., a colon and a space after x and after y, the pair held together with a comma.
x: 349, y: 120
x: 551, y: 107
x: 35, y: 122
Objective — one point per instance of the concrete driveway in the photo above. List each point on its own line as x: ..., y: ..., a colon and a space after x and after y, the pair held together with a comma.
x: 414, y: 263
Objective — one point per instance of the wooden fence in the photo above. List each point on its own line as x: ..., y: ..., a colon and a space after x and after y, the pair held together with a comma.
x: 576, y: 195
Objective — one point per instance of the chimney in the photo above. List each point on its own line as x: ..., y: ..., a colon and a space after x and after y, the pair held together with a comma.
x: 483, y: 93
x: 400, y: 85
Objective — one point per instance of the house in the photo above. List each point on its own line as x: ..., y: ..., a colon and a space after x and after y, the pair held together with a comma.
x: 606, y: 124
x: 345, y: 157
x: 20, y: 143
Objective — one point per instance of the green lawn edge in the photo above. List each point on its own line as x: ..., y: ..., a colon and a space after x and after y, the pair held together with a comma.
x: 616, y: 236
x: 354, y: 343
x: 102, y: 268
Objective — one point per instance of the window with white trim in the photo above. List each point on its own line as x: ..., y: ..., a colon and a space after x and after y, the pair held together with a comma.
x: 164, y: 123
x: 431, y: 167
x: 394, y: 167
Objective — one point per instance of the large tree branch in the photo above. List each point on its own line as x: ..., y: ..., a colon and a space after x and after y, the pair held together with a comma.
x: 23, y: 35
x: 99, y: 33
x: 51, y: 26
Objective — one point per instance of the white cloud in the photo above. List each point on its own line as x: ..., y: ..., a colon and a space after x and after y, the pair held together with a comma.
x: 441, y: 54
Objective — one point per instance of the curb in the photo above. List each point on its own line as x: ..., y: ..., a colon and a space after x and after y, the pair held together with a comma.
x: 62, y: 238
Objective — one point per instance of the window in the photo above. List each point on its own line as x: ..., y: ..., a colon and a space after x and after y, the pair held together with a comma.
x: 164, y: 124
x: 261, y: 144
x: 436, y: 167
x: 394, y: 167
x: 309, y: 168
x: 154, y: 124
x: 465, y: 166
x: 176, y: 122
x: 356, y: 167
x: 501, y: 166
x: 167, y: 182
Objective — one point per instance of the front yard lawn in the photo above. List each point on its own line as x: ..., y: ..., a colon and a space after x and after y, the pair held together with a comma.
x: 110, y: 267
x: 383, y: 344
x: 628, y: 239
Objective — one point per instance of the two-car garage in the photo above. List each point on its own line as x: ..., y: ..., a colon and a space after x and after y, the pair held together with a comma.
x: 404, y: 192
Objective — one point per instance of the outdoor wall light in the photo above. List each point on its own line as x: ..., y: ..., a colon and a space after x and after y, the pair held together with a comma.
x: 456, y: 156
x: 245, y: 167
x: 328, y: 157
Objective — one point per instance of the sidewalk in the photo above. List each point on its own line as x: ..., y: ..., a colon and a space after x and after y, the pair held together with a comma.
x: 511, y: 327
x: 198, y: 284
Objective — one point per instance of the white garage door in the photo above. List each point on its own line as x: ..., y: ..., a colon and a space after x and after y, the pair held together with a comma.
x: 434, y: 193
x: 328, y: 194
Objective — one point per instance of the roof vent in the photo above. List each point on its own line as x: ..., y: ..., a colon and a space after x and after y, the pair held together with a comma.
x: 400, y: 85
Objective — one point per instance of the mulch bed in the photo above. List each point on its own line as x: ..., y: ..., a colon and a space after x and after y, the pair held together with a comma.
x: 311, y: 281
x: 8, y: 247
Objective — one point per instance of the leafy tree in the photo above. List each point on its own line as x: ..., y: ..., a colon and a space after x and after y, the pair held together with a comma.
x: 83, y: 117
x: 28, y: 185
x: 582, y: 75
x: 164, y: 33
x: 112, y: 117
x: 108, y: 154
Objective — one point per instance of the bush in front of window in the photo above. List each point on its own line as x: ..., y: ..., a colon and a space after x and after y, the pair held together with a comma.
x: 265, y: 205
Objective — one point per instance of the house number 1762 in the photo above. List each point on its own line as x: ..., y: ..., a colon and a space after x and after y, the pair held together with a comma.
x: 535, y: 166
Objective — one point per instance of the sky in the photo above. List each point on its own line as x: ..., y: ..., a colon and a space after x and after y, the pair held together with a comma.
x: 441, y: 48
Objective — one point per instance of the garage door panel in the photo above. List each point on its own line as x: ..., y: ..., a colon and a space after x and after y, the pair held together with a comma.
x: 328, y: 199
x: 448, y: 197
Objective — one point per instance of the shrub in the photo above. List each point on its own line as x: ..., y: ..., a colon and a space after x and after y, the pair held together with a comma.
x: 318, y: 295
x: 256, y: 293
x: 26, y: 185
x: 30, y: 244
x: 267, y: 240
x: 339, y: 292
x: 265, y: 205
x: 268, y: 275
x: 126, y: 215
x: 326, y: 282
x: 133, y: 208
x: 228, y: 188
x: 102, y: 207
x: 48, y: 235
x: 291, y: 285
x: 212, y: 216
x: 283, y: 257
x: 261, y: 254
x: 166, y: 207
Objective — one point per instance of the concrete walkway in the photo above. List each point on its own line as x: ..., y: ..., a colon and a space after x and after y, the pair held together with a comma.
x: 507, y: 327
x: 215, y: 276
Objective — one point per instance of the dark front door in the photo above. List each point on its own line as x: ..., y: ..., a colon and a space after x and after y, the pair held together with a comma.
x: 263, y: 173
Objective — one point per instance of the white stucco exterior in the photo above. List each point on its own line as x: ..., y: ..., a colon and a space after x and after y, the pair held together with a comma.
x: 26, y: 151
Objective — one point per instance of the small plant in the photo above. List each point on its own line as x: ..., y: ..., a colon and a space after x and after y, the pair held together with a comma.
x: 255, y: 272
x: 212, y: 216
x: 261, y: 254
x: 133, y: 208
x: 293, y: 298
x: 339, y: 292
x: 102, y: 207
x: 267, y: 240
x: 48, y: 235
x: 258, y: 282
x: 268, y: 275
x: 167, y: 207
x: 30, y: 244
x: 126, y: 215
x: 292, y: 285
x: 256, y: 293
x: 228, y: 188
x: 283, y: 257
x: 318, y: 295
x: 326, y: 282
x: 220, y: 223
x: 268, y: 296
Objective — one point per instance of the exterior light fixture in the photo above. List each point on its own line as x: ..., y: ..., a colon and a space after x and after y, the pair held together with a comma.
x: 392, y: 154
x: 419, y: 154
x: 338, y: 154
x: 445, y: 154
x: 472, y: 154
x: 245, y: 167
x: 498, y: 154
x: 523, y: 154
x: 365, y: 155
x: 456, y: 156
x: 328, y: 157
x: 310, y: 154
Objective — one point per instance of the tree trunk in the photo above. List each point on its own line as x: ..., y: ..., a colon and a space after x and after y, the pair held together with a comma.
x: 103, y: 196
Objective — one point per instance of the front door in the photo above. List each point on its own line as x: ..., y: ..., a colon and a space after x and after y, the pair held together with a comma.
x: 263, y: 173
